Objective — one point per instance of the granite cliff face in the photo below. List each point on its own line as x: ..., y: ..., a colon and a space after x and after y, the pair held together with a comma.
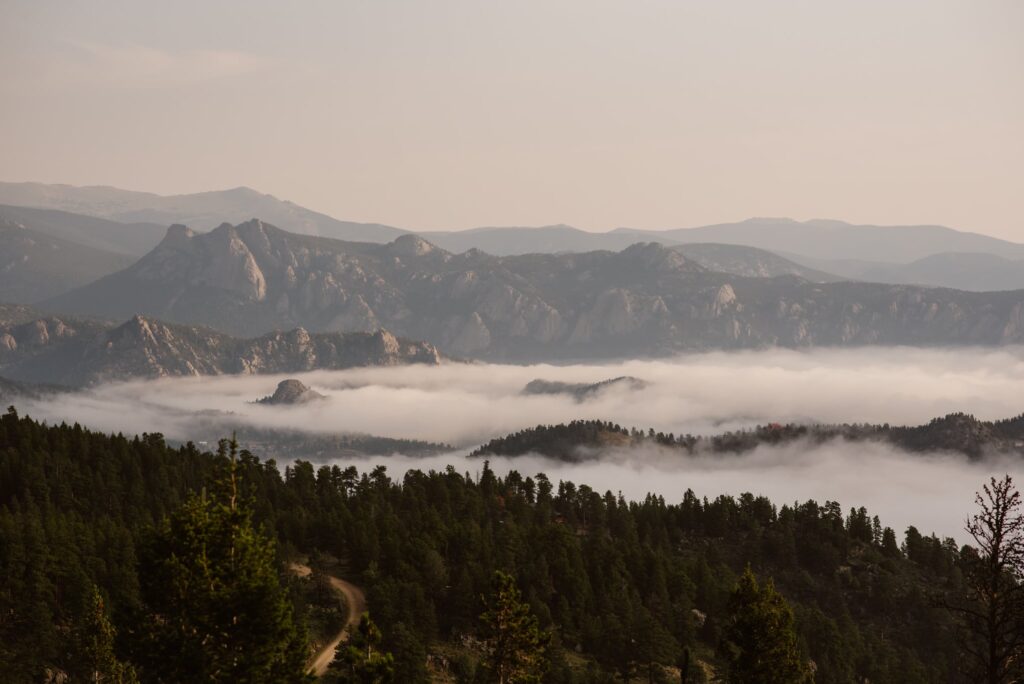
x: 644, y: 300
x: 78, y: 352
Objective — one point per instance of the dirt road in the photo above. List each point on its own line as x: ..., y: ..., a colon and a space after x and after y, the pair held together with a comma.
x: 356, y: 601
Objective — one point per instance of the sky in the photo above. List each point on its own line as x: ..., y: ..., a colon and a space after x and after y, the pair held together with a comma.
x: 449, y: 114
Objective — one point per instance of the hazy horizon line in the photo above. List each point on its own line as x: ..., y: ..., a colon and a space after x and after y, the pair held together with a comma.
x: 497, y: 226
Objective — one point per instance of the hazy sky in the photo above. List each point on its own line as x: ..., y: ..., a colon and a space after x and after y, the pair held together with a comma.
x: 448, y: 114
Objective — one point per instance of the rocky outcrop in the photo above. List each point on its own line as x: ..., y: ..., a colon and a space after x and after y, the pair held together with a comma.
x: 645, y: 300
x: 77, y: 353
x: 291, y: 392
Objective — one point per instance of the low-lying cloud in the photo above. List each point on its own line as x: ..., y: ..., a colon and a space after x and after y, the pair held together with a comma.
x: 466, y: 404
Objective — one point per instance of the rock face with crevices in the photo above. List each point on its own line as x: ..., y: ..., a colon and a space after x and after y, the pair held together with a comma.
x: 249, y: 279
x: 73, y: 352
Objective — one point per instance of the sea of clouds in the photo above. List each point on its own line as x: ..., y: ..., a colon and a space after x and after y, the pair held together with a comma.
x: 466, y: 404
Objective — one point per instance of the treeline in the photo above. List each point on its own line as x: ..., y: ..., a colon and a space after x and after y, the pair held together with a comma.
x: 582, y: 439
x: 623, y: 588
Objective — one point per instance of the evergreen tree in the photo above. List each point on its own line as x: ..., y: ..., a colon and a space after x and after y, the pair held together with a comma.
x: 217, y: 612
x: 889, y: 546
x: 654, y: 645
x: 760, y: 644
x: 361, y: 660
x: 515, y: 645
x: 411, y: 656
x: 93, y: 658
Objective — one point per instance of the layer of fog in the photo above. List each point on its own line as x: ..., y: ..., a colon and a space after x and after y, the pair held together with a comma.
x: 467, y: 404
x: 934, y: 492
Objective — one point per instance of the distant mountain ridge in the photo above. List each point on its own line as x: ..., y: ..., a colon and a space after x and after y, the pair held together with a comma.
x: 644, y: 300
x: 829, y: 239
x: 975, y: 272
x: 201, y: 210
x: 819, y: 250
x: 36, y: 266
x: 816, y: 238
x: 75, y: 353
x: 126, y: 239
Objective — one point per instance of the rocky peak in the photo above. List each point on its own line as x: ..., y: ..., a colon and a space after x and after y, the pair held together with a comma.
x: 139, y: 323
x: 655, y: 256
x: 410, y: 246
x: 178, y: 234
x: 227, y: 261
x: 291, y: 391
x: 253, y: 226
x: 137, y: 330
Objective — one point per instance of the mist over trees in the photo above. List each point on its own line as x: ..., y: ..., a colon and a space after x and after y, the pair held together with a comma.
x: 99, y: 534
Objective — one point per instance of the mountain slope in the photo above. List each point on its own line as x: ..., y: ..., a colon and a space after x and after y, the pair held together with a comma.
x: 36, y: 266
x: 977, y: 272
x: 750, y: 262
x: 726, y: 258
x: 76, y: 352
x: 201, y: 211
x: 974, y: 272
x: 646, y: 299
x: 128, y: 239
x: 823, y: 239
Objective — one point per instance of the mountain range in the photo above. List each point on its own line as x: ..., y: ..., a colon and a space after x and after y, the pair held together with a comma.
x: 647, y: 299
x: 75, y: 352
x: 824, y: 249
x: 201, y: 210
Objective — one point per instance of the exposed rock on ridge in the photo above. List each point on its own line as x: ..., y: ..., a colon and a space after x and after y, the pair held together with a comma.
x: 77, y: 353
x: 645, y: 300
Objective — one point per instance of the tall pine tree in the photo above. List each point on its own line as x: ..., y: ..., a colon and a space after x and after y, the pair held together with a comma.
x: 217, y: 611
x: 93, y: 659
x: 515, y: 645
x: 759, y: 642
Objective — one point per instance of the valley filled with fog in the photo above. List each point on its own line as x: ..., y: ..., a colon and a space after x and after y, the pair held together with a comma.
x: 464, y: 405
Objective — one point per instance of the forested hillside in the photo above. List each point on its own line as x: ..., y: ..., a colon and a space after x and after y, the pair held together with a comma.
x: 583, y: 439
x: 624, y: 588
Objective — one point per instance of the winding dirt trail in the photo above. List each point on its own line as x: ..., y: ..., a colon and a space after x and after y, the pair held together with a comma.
x: 356, y: 607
